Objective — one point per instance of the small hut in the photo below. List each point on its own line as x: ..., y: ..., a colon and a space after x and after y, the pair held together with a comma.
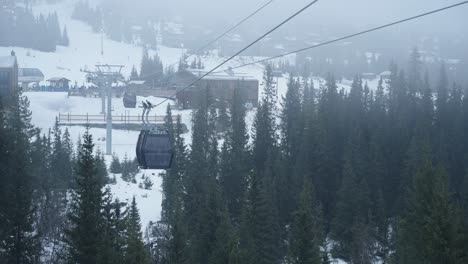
x: 58, y: 84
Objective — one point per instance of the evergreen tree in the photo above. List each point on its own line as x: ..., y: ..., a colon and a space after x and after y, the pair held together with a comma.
x: 129, y: 169
x: 115, y: 166
x: 222, y: 123
x: 291, y: 136
x: 183, y: 64
x: 85, y: 233
x: 414, y: 74
x: 234, y: 164
x: 331, y: 141
x: 224, y: 240
x: 135, y: 252
x: 145, y: 67
x: 264, y: 127
x: 113, y: 230
x: 430, y: 230
x: 101, y: 166
x: 442, y: 117
x: 266, y: 224
x: 18, y: 235
x: 134, y: 74
x: 148, y: 35
x: 455, y: 164
x: 65, y: 40
x: 351, y: 223
x: 306, y: 236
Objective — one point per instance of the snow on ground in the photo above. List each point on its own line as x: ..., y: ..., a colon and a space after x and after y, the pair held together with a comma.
x: 45, y: 107
x: 148, y: 201
x: 84, y: 51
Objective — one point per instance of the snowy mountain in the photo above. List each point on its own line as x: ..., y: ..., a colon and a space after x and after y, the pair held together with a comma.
x: 83, y: 53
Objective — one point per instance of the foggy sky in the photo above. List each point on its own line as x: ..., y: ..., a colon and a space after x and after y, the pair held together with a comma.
x: 326, y: 13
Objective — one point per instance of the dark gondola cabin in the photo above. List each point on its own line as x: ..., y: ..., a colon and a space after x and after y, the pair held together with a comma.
x: 154, y: 151
x: 129, y: 100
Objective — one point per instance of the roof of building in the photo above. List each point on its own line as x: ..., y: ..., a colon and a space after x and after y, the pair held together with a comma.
x: 225, y: 75
x: 386, y: 73
x: 7, y: 61
x: 30, y: 76
x: 30, y: 72
x: 136, y: 82
x: 57, y: 79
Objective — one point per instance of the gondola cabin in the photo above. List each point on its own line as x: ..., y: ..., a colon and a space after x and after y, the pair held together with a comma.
x: 129, y: 100
x: 154, y: 150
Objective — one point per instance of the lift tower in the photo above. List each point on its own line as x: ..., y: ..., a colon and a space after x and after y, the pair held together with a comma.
x: 105, y: 76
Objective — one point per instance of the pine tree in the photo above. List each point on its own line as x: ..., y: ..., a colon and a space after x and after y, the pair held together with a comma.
x: 113, y: 228
x: 145, y: 67
x: 306, y: 236
x: 60, y: 162
x: 351, y: 220
x: 202, y: 201
x: 330, y: 141
x: 20, y: 241
x: 101, y: 166
x: 292, y: 125
x: 129, y: 169
x: 134, y: 74
x: 183, y: 64
x: 115, y: 166
x: 85, y: 233
x: 266, y: 226
x: 171, y: 232
x: 224, y: 241
x: 54, y: 28
x: 430, y: 230
x: 234, y: 163
x: 65, y: 40
x: 442, y: 117
x: 455, y: 135
x: 414, y: 74
x: 264, y: 127
x: 135, y: 252
x: 223, y: 117
x: 178, y: 248
x: 291, y: 122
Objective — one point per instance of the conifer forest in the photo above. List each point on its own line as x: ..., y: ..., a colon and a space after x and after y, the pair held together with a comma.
x: 270, y: 160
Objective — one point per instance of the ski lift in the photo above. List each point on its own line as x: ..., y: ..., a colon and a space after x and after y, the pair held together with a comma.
x: 129, y: 100
x: 154, y: 150
x: 154, y: 147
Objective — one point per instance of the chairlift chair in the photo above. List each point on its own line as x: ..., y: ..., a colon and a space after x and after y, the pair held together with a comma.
x: 129, y: 100
x: 154, y: 147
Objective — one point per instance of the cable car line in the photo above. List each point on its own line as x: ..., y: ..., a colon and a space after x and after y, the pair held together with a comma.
x: 242, y: 50
x: 353, y: 35
x: 234, y: 27
x: 221, y: 35
x: 154, y: 148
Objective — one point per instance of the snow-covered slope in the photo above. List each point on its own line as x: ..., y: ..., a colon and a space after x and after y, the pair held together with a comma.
x: 84, y: 50
x: 46, y: 106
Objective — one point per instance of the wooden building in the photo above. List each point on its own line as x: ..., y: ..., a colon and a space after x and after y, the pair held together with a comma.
x: 28, y: 76
x: 221, y: 85
x: 8, y: 75
x: 58, y: 84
